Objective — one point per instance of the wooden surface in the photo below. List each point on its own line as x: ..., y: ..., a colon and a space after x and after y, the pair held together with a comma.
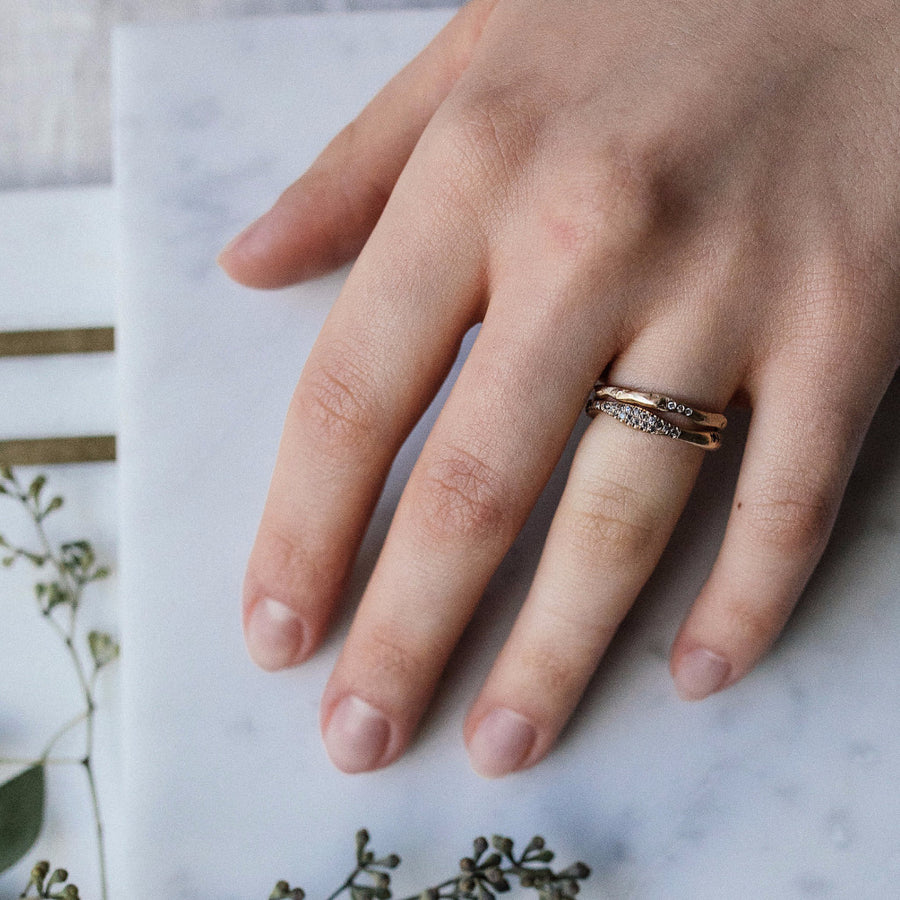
x: 54, y: 76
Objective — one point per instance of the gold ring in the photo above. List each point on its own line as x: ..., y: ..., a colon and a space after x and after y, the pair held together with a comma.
x: 658, y: 401
x: 635, y: 409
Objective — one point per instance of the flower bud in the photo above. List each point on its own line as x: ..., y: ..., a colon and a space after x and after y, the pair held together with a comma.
x: 59, y: 876
x: 38, y: 874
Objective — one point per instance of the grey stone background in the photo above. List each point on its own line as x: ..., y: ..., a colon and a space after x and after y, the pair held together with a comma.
x: 55, y: 76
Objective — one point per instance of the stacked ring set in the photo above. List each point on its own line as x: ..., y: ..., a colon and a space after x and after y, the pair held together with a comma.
x: 650, y: 413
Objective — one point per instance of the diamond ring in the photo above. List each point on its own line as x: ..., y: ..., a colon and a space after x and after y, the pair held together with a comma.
x: 637, y: 410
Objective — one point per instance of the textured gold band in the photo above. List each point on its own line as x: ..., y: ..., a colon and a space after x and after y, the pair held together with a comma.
x: 660, y: 402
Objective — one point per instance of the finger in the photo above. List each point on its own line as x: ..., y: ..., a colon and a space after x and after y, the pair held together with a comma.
x: 384, y: 350
x: 324, y: 218
x: 468, y: 495
x: 805, y: 434
x: 624, y: 494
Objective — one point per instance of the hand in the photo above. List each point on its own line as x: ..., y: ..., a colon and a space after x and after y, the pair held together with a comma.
x: 699, y: 198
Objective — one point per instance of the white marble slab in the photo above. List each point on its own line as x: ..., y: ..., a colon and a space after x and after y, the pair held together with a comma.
x: 58, y: 270
x: 784, y: 786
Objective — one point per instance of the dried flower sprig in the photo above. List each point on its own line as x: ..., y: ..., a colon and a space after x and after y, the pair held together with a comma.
x: 481, y: 876
x: 54, y: 887
x: 72, y: 566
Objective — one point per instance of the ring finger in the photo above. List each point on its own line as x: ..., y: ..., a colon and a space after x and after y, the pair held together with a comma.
x: 625, y: 492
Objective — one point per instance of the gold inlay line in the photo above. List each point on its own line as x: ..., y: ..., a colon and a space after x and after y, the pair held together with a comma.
x: 57, y: 340
x: 55, y: 451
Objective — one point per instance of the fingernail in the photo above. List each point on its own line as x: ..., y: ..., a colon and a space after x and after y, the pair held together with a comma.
x: 699, y: 674
x: 274, y: 635
x: 357, y: 736
x: 253, y: 239
x: 501, y: 743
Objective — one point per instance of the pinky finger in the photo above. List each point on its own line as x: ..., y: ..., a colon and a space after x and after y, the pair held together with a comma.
x: 799, y: 456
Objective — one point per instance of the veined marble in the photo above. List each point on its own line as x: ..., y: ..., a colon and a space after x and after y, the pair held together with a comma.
x: 782, y: 787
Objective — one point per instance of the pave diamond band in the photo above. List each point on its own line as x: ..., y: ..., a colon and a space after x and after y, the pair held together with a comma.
x: 639, y: 418
x: 620, y: 404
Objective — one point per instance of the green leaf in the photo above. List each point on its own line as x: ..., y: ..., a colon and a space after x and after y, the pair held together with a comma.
x: 34, y: 490
x: 52, y: 506
x: 21, y: 814
x: 56, y: 596
x: 103, y: 648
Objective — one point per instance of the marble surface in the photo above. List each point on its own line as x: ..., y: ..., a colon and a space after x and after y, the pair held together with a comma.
x: 58, y: 270
x: 55, y: 76
x: 782, y: 787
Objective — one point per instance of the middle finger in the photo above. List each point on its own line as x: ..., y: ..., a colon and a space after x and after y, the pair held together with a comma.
x: 489, y: 455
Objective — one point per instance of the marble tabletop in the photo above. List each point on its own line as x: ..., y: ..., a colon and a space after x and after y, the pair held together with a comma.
x: 782, y: 787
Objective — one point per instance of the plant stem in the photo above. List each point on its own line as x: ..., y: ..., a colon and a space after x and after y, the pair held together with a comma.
x: 75, y: 720
x: 437, y: 887
x: 346, y: 884
x: 67, y: 635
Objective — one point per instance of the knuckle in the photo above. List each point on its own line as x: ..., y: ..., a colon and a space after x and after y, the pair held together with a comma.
x: 604, y: 201
x: 612, y: 516
x: 757, y: 624
x: 284, y: 564
x: 349, y: 179
x: 487, y: 141
x: 562, y: 656
x: 791, y: 516
x: 391, y: 660
x: 334, y: 402
x: 461, y: 496
x: 558, y: 677
x: 828, y: 320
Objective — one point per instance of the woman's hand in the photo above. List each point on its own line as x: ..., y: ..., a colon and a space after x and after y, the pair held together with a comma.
x: 695, y: 197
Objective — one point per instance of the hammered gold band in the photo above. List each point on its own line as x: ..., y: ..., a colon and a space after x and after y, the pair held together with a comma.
x: 636, y: 409
x: 658, y: 401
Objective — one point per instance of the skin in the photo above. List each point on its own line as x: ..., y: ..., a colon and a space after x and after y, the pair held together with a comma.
x: 700, y: 198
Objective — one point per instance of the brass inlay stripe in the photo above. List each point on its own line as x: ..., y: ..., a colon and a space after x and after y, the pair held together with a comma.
x: 57, y: 340
x: 52, y: 451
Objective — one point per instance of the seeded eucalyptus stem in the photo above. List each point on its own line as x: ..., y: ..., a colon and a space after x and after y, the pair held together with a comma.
x: 488, y: 871
x: 74, y: 567
x: 74, y: 587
